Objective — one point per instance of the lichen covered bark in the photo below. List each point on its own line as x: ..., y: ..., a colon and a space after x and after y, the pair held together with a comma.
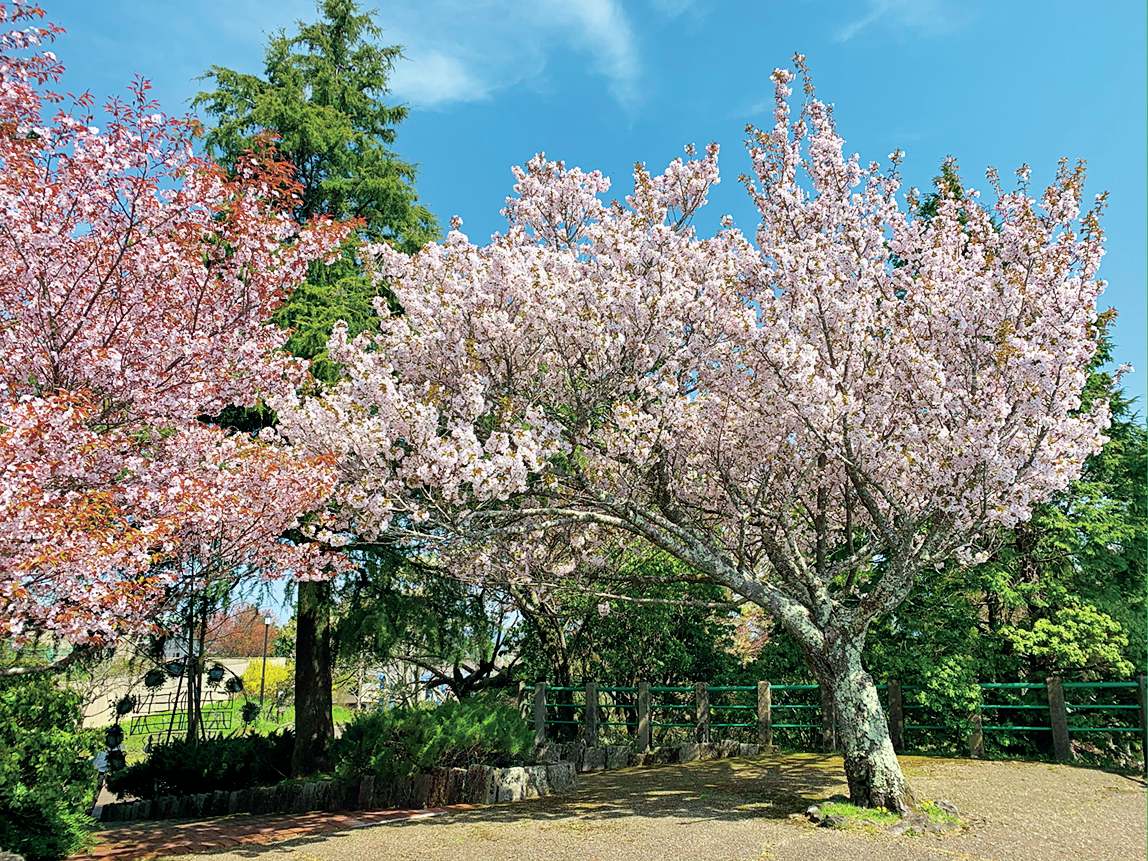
x: 871, y: 767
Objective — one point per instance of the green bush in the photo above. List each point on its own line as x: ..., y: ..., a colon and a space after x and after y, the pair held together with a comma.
x: 47, y: 780
x: 186, y: 768
x: 403, y: 741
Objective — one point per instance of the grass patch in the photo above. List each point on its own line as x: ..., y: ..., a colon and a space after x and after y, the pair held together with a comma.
x: 859, y: 817
x: 935, y: 813
x: 846, y: 815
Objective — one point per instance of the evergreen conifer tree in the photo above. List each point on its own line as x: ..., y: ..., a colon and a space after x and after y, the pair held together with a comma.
x: 322, y: 97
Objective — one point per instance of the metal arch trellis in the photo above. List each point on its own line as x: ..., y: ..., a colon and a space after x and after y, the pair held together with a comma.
x: 165, y: 713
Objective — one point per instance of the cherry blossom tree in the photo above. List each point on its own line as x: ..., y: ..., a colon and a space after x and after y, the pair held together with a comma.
x: 815, y: 421
x: 136, y: 284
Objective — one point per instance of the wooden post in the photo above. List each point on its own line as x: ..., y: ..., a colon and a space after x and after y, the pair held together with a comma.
x: 1142, y: 693
x: 702, y: 695
x: 539, y: 714
x: 896, y: 716
x: 591, y: 715
x: 1058, y: 718
x: 977, y: 736
x: 765, y: 717
x: 977, y: 733
x: 828, y: 720
x: 643, y: 717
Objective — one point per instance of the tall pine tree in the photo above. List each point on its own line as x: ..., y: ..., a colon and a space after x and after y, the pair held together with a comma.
x: 322, y: 96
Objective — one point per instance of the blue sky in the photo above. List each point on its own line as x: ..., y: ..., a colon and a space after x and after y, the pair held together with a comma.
x: 605, y: 83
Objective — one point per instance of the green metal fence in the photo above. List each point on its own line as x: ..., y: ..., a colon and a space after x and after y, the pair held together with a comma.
x: 796, y: 717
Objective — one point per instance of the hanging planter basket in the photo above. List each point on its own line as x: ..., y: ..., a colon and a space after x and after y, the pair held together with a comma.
x: 125, y: 705
x: 114, y: 736
x: 154, y: 678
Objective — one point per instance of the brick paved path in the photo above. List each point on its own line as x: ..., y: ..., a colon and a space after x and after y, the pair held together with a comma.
x: 155, y: 839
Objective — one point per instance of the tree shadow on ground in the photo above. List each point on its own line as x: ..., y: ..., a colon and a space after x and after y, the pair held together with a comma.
x: 769, y: 787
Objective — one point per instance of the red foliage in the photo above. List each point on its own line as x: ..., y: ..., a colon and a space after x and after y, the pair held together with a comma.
x: 238, y: 632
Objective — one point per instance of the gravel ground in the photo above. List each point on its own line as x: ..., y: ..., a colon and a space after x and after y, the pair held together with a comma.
x: 749, y: 809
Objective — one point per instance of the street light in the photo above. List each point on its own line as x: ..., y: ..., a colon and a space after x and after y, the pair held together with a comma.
x: 263, y: 678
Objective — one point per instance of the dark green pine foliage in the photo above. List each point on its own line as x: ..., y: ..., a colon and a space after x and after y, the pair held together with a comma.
x: 321, y: 94
x: 455, y: 634
x: 676, y: 631
x: 948, y: 184
x: 339, y: 291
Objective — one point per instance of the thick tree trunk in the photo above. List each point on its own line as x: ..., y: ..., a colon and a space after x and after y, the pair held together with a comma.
x: 314, y: 727
x: 871, y: 766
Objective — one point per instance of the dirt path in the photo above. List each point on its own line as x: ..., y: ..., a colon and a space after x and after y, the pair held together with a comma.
x: 743, y: 810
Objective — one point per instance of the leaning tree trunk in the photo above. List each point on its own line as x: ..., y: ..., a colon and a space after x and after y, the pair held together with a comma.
x: 871, y: 766
x: 314, y: 726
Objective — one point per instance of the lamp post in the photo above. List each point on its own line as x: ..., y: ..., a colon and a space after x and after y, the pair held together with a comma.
x: 263, y: 677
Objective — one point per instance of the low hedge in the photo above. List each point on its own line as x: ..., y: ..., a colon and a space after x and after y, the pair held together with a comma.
x: 189, y: 768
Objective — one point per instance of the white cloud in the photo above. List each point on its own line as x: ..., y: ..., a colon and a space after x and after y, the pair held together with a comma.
x: 926, y: 17
x: 466, y: 50
x: 753, y: 110
x: 438, y: 78
x: 606, y: 34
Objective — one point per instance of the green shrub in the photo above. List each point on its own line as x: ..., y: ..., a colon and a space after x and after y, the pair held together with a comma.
x: 47, y: 780
x: 402, y: 741
x: 185, y: 768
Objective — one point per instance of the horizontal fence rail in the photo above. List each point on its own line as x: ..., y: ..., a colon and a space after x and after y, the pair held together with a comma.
x: 806, y: 715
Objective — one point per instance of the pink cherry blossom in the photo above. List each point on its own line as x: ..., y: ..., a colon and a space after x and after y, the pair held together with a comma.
x: 815, y: 420
x: 137, y: 283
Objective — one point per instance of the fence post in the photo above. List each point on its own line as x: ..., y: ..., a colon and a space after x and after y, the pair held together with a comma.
x: 643, y: 717
x: 1142, y: 695
x: 591, y: 714
x: 1058, y: 717
x: 828, y: 720
x: 896, y: 716
x: 539, y: 714
x: 977, y: 736
x: 765, y: 717
x: 702, y: 695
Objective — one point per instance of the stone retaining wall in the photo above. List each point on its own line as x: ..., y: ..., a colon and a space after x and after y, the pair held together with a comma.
x: 479, y: 784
